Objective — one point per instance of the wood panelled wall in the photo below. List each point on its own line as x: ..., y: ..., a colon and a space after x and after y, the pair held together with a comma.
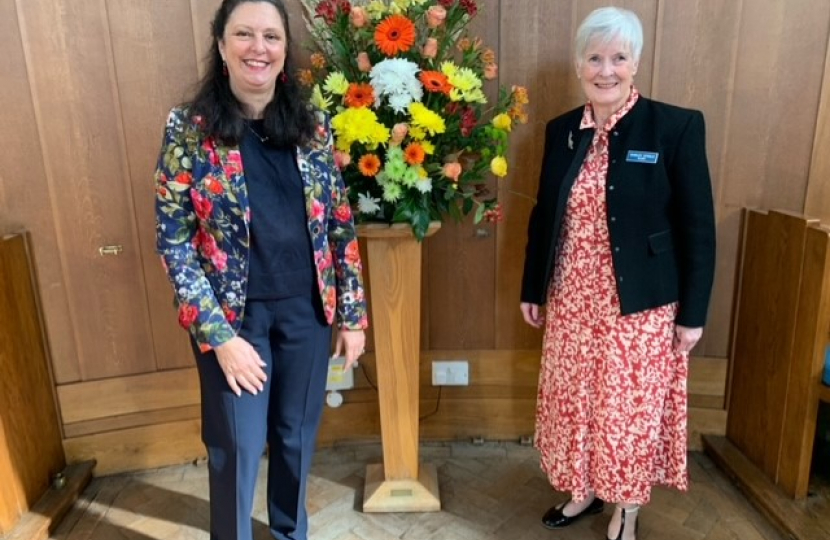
x: 85, y: 91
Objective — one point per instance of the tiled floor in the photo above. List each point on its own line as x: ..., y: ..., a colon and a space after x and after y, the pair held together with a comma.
x: 489, y: 492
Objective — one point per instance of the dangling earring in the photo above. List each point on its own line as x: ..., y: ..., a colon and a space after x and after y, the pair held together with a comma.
x: 283, y: 77
x: 224, y: 68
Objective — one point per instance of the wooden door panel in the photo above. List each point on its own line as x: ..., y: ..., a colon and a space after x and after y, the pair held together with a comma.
x: 25, y: 197
x: 71, y: 73
x: 148, y: 36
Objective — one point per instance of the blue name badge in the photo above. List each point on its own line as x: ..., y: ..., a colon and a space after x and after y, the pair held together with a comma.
x: 638, y: 156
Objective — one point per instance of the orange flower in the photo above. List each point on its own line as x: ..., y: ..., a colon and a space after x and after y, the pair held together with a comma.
x: 435, y: 81
x: 395, y: 34
x: 414, y: 154
x: 318, y: 60
x: 488, y: 56
x: 520, y: 95
x: 369, y: 165
x: 360, y: 95
x: 306, y: 77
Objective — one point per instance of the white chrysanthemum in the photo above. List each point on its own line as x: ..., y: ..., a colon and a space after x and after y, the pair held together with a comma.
x: 367, y: 204
x: 396, y: 79
x: 424, y: 185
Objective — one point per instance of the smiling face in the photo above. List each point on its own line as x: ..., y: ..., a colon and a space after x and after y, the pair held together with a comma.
x: 606, y: 72
x: 253, y: 46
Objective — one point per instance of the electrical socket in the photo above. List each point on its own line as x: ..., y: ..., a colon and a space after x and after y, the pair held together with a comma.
x: 451, y: 373
x: 339, y: 378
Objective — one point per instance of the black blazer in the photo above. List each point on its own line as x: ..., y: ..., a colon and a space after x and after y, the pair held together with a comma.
x: 660, y: 215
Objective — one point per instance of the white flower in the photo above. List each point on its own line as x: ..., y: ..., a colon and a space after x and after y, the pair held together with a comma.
x: 396, y: 79
x: 424, y: 185
x: 367, y: 204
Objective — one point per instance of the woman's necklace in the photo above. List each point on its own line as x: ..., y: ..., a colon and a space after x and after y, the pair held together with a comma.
x: 262, y: 138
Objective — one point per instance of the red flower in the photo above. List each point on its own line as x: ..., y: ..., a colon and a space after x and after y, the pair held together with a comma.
x: 343, y: 213
x: 202, y: 205
x: 214, y: 186
x: 446, y: 3
x: 230, y: 314
x: 188, y: 313
x: 470, y: 7
x: 353, y: 252
x: 184, y: 178
x: 329, y: 9
x: 234, y: 163
x: 468, y: 121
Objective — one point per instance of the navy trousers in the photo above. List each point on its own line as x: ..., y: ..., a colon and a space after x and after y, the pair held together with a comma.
x: 294, y: 340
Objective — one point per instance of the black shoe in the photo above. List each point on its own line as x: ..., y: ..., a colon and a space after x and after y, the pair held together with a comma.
x: 555, y: 519
x: 622, y: 522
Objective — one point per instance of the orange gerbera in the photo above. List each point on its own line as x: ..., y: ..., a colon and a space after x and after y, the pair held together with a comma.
x: 435, y: 81
x: 360, y: 95
x: 414, y: 154
x: 369, y: 165
x: 395, y: 34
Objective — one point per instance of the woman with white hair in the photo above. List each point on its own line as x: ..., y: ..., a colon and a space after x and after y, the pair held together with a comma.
x: 619, y: 269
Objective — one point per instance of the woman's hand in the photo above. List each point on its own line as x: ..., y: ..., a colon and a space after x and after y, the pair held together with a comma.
x: 352, y: 343
x: 242, y: 366
x: 532, y: 314
x: 686, y: 338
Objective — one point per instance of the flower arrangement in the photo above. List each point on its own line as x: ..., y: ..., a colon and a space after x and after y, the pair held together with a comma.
x: 415, y: 135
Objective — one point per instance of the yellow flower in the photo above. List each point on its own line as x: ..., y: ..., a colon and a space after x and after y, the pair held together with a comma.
x: 498, y: 166
x: 428, y: 147
x: 425, y: 121
x: 503, y: 122
x: 449, y: 69
x: 376, y: 9
x: 319, y: 100
x: 358, y: 125
x: 336, y: 83
x: 466, y: 84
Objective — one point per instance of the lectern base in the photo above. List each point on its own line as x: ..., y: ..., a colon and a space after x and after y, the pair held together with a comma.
x: 409, y: 495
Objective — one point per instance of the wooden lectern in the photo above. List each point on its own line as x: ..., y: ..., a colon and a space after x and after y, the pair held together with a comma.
x: 400, y: 484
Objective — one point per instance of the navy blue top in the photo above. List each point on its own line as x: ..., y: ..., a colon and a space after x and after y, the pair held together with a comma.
x: 281, y: 258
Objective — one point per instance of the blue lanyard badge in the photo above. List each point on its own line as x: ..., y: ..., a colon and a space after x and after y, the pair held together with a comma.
x: 639, y: 156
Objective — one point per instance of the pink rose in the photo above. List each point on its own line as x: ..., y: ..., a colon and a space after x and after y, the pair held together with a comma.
x: 452, y: 170
x: 399, y: 131
x: 436, y: 15
x: 491, y: 71
x: 430, y: 49
x: 358, y: 17
x: 363, y: 63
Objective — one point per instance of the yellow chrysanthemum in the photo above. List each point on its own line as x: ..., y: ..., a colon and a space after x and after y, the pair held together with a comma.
x: 503, y: 122
x: 449, y: 69
x: 498, y: 166
x: 319, y: 100
x: 336, y: 83
x: 376, y: 9
x: 425, y: 121
x: 358, y: 125
x: 428, y: 147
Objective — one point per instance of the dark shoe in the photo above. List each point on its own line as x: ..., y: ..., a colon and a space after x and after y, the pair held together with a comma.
x: 622, y: 522
x: 555, y: 519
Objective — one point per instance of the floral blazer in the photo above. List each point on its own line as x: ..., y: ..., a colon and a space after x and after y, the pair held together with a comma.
x: 202, y: 235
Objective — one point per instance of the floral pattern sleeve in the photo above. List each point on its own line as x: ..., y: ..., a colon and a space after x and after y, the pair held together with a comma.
x: 178, y: 235
x: 351, y: 300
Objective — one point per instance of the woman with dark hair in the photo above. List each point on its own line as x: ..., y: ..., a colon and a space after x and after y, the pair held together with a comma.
x: 620, y: 257
x: 256, y: 234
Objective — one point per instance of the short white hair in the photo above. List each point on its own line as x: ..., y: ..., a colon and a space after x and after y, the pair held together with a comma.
x: 607, y: 24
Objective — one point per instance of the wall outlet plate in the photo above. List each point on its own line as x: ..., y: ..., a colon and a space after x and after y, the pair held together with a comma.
x: 451, y: 373
x: 338, y: 377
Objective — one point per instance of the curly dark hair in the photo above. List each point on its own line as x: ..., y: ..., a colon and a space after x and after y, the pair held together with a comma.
x: 288, y: 120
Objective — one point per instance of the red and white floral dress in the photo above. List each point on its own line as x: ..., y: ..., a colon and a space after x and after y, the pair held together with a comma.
x: 611, y: 411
